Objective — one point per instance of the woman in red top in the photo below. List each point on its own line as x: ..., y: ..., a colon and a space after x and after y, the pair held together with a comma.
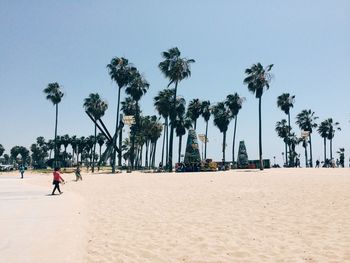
x: 57, y: 179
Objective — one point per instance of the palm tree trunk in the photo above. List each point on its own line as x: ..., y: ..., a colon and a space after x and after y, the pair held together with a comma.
x: 120, y: 147
x: 324, y: 147
x: 170, y: 165
x: 162, y: 160
x: 285, y: 146
x: 290, y: 164
x: 167, y: 143
x: 116, y: 135
x: 330, y: 149
x: 147, y: 146
x: 180, y: 143
x: 56, y: 150
x: 206, y: 139
x: 154, y: 154
x: 99, y: 161
x: 311, y: 165
x: 195, y: 124
x: 150, y: 155
x: 94, y: 150
x: 223, y: 147
x: 306, y: 163
x: 260, y: 140
x: 233, y: 141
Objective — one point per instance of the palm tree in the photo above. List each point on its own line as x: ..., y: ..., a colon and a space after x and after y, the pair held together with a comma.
x: 155, y: 131
x: 181, y: 123
x: 306, y: 122
x: 89, y: 147
x: 50, y: 146
x: 194, y: 110
x: 222, y: 118
x: 234, y: 103
x: 65, y: 140
x: 283, y: 131
x: 95, y: 106
x: 285, y: 102
x: 206, y: 113
x: 81, y: 144
x: 292, y: 141
x: 73, y: 143
x: 119, y: 70
x: 136, y: 88
x: 323, y: 130
x: 175, y: 69
x: 258, y: 78
x: 54, y: 94
x: 101, y: 139
x: 162, y: 103
x: 333, y: 126
x: 2, y: 150
x: 341, y: 152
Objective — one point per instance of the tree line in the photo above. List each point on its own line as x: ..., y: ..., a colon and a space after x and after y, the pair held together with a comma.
x: 139, y: 148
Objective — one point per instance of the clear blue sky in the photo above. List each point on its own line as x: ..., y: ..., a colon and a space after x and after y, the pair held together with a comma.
x: 71, y: 42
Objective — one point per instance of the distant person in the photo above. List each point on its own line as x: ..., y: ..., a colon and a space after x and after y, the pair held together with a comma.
x: 77, y: 174
x: 21, y: 170
x: 333, y: 163
x: 57, y: 179
x: 317, y: 164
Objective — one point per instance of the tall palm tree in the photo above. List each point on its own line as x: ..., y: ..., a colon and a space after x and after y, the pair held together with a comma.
x: 323, y: 130
x: 222, y: 118
x: 333, y: 126
x: 234, y: 103
x: 194, y: 110
x: 97, y: 107
x: 54, y: 94
x: 136, y: 88
x: 258, y: 78
x: 285, y: 101
x: 120, y: 71
x: 283, y: 131
x: 175, y: 69
x: 206, y: 113
x: 162, y: 103
x: 306, y: 122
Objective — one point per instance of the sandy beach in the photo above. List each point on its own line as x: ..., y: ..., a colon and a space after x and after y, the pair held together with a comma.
x: 277, y: 215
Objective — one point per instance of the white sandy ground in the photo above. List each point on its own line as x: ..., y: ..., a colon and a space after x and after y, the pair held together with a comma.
x: 277, y: 215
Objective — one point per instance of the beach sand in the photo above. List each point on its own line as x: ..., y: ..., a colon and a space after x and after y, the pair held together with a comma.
x: 275, y: 215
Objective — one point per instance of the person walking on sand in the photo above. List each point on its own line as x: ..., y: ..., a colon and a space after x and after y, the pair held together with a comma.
x: 77, y: 174
x: 21, y: 170
x: 57, y: 179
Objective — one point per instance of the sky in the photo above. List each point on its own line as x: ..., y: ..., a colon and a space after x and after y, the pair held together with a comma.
x: 71, y: 42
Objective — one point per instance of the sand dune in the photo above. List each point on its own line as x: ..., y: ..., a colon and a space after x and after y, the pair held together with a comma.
x: 277, y: 215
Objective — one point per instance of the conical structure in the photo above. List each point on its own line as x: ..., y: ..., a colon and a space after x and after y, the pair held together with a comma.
x: 192, y: 151
x: 242, y: 160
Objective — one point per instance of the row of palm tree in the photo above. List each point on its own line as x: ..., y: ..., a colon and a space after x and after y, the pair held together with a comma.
x: 177, y: 118
x: 306, y: 121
